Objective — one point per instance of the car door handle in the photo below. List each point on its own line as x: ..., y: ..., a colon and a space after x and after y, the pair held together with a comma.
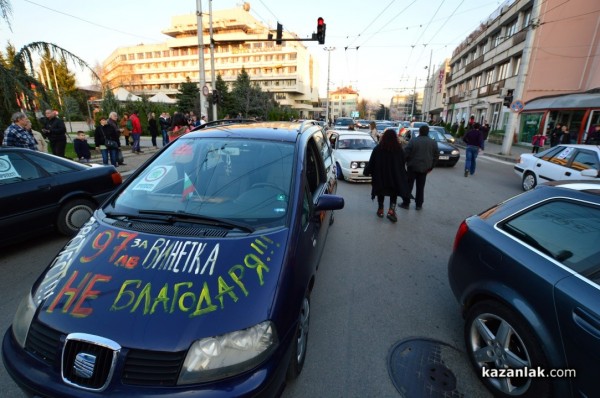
x: 538, y: 165
x: 588, y: 322
x: 45, y: 187
x: 568, y: 173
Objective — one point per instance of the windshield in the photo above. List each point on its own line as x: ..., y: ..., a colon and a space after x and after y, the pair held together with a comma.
x: 356, y: 143
x: 436, y: 135
x: 235, y: 181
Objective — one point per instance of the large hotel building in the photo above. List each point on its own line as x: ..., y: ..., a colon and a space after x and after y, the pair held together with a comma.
x: 288, y: 69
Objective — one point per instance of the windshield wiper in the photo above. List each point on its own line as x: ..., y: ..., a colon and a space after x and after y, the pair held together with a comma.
x: 529, y: 240
x: 173, y: 216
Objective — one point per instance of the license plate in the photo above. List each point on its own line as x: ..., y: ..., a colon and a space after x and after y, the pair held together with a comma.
x: 444, y: 157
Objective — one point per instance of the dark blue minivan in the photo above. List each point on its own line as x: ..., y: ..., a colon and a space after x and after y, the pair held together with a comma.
x: 193, y: 279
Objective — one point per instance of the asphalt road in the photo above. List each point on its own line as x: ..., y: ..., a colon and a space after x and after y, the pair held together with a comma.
x: 378, y: 283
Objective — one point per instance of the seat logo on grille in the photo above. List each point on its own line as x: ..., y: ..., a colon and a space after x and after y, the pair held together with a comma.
x: 84, y: 365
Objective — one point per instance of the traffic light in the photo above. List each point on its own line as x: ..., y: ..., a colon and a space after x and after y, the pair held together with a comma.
x: 279, y: 33
x: 216, y: 97
x: 508, y: 99
x: 321, y: 30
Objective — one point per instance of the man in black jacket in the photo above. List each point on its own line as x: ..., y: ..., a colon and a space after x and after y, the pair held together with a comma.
x: 421, y: 155
x: 55, y: 130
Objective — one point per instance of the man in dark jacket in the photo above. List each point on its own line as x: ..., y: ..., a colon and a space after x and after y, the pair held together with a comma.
x: 55, y: 130
x: 421, y: 155
x: 474, y: 141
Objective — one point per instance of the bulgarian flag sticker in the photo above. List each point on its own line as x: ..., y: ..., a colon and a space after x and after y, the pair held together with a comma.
x: 188, y: 188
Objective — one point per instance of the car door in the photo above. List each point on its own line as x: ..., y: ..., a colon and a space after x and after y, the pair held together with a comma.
x: 29, y: 196
x: 578, y: 311
x: 582, y: 159
x: 554, y: 168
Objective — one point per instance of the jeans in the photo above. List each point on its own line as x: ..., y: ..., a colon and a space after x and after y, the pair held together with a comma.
x: 113, y: 156
x: 472, y: 152
x: 165, y: 137
x: 135, y: 147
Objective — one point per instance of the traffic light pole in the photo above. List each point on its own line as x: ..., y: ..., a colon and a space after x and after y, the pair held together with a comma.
x: 212, y: 60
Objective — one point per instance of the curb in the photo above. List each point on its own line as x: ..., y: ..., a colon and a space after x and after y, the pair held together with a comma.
x: 508, y: 158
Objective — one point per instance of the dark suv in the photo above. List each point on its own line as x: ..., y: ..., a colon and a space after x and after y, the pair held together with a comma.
x: 194, y: 279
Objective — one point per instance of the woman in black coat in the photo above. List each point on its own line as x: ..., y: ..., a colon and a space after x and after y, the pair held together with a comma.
x: 153, y: 127
x: 387, y: 168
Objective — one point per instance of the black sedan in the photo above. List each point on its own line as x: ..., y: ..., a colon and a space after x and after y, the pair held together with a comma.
x: 448, y: 153
x: 39, y: 192
x: 526, y: 274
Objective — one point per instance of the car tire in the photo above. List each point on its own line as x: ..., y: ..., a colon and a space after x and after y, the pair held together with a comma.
x: 338, y: 172
x: 300, y: 341
x: 529, y: 181
x: 73, y: 215
x: 497, y: 338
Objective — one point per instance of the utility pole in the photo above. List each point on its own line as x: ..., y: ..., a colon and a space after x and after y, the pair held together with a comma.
x: 412, y: 113
x: 329, y: 50
x: 202, y: 72
x: 424, y: 116
x: 212, y: 59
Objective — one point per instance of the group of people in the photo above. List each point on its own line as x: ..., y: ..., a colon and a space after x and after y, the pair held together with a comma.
x: 395, y: 170
x: 20, y: 133
x: 180, y: 123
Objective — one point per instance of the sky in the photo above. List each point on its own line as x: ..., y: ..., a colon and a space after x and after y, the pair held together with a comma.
x: 379, y: 47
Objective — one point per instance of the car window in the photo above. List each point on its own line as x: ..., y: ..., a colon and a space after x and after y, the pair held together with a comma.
x: 242, y: 180
x: 585, y: 160
x: 15, y: 168
x: 52, y: 167
x: 323, y: 147
x: 567, y: 231
x: 560, y: 157
x: 315, y: 173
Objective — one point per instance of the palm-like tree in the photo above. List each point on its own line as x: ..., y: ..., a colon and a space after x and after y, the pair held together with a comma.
x: 19, y: 88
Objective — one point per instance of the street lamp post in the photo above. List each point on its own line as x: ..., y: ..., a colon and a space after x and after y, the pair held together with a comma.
x: 329, y: 50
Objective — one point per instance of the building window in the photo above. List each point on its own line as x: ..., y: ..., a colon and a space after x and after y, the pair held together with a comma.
x: 526, y: 18
x: 503, y: 71
x: 293, y: 56
x: 495, y: 39
x: 477, y: 81
x: 511, y: 28
x: 257, y: 45
x: 148, y: 55
x: 166, y: 53
x: 130, y: 57
x: 489, y: 76
x: 140, y: 55
x: 156, y: 54
x: 516, y: 66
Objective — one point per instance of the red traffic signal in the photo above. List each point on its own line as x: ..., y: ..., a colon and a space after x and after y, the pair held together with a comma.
x: 321, y: 26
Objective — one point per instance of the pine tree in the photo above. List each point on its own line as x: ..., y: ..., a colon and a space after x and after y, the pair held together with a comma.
x: 188, y: 97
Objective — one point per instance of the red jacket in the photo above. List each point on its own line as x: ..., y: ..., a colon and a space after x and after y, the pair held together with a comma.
x: 135, y: 122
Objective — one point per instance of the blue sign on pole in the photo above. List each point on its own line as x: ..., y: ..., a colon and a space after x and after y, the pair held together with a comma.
x: 517, y: 106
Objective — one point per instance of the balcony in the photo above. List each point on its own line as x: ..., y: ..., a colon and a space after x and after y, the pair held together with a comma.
x: 475, y: 63
x: 519, y: 37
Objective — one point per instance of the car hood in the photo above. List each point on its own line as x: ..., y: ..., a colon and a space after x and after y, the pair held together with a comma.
x: 443, y: 146
x: 358, y: 155
x: 147, y: 290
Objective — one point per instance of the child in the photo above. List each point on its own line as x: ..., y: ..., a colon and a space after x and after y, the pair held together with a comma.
x: 82, y: 148
x: 538, y: 142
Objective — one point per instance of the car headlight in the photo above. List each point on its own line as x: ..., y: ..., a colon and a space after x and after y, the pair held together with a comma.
x: 353, y: 165
x: 455, y: 152
x: 23, y: 318
x: 229, y: 354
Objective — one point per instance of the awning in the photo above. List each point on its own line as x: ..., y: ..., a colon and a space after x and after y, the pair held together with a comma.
x: 568, y: 101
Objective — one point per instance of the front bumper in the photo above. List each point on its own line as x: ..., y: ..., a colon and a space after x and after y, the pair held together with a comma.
x: 37, y: 378
x: 355, y: 175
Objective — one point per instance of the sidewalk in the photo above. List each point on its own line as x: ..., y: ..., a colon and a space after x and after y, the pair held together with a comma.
x: 132, y: 160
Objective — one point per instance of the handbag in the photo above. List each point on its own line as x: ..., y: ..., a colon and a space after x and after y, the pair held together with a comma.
x: 111, y: 144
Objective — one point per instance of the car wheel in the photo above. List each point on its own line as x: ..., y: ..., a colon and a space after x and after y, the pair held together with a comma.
x: 498, y: 340
x: 73, y: 215
x: 529, y: 181
x: 300, y: 341
x: 338, y: 172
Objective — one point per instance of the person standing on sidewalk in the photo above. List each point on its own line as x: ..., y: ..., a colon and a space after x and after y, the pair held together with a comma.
x: 165, y: 123
x: 565, y: 136
x: 16, y: 135
x: 136, y: 132
x: 55, y: 130
x: 538, y: 142
x: 153, y: 128
x: 474, y: 141
x: 421, y: 155
x: 113, y: 123
x: 387, y: 168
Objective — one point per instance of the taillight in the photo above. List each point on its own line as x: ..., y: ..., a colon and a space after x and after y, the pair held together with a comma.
x: 462, y: 230
x: 116, y: 178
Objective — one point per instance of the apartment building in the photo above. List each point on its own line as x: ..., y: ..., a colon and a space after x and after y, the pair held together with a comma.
x: 406, y: 106
x: 288, y: 69
x: 434, y: 95
x: 544, y: 53
x: 486, y: 65
x: 342, y: 102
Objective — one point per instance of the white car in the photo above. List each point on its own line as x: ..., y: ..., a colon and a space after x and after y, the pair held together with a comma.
x: 352, y: 151
x: 562, y: 162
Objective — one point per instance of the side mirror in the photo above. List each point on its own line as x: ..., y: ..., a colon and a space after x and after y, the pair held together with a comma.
x: 329, y: 202
x: 590, y: 173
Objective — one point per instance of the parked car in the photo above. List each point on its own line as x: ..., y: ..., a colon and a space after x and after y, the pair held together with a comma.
x: 40, y: 192
x: 449, y: 137
x: 418, y: 124
x: 526, y: 273
x: 352, y: 151
x: 193, y: 279
x: 562, y: 162
x: 343, y: 122
x: 448, y: 153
